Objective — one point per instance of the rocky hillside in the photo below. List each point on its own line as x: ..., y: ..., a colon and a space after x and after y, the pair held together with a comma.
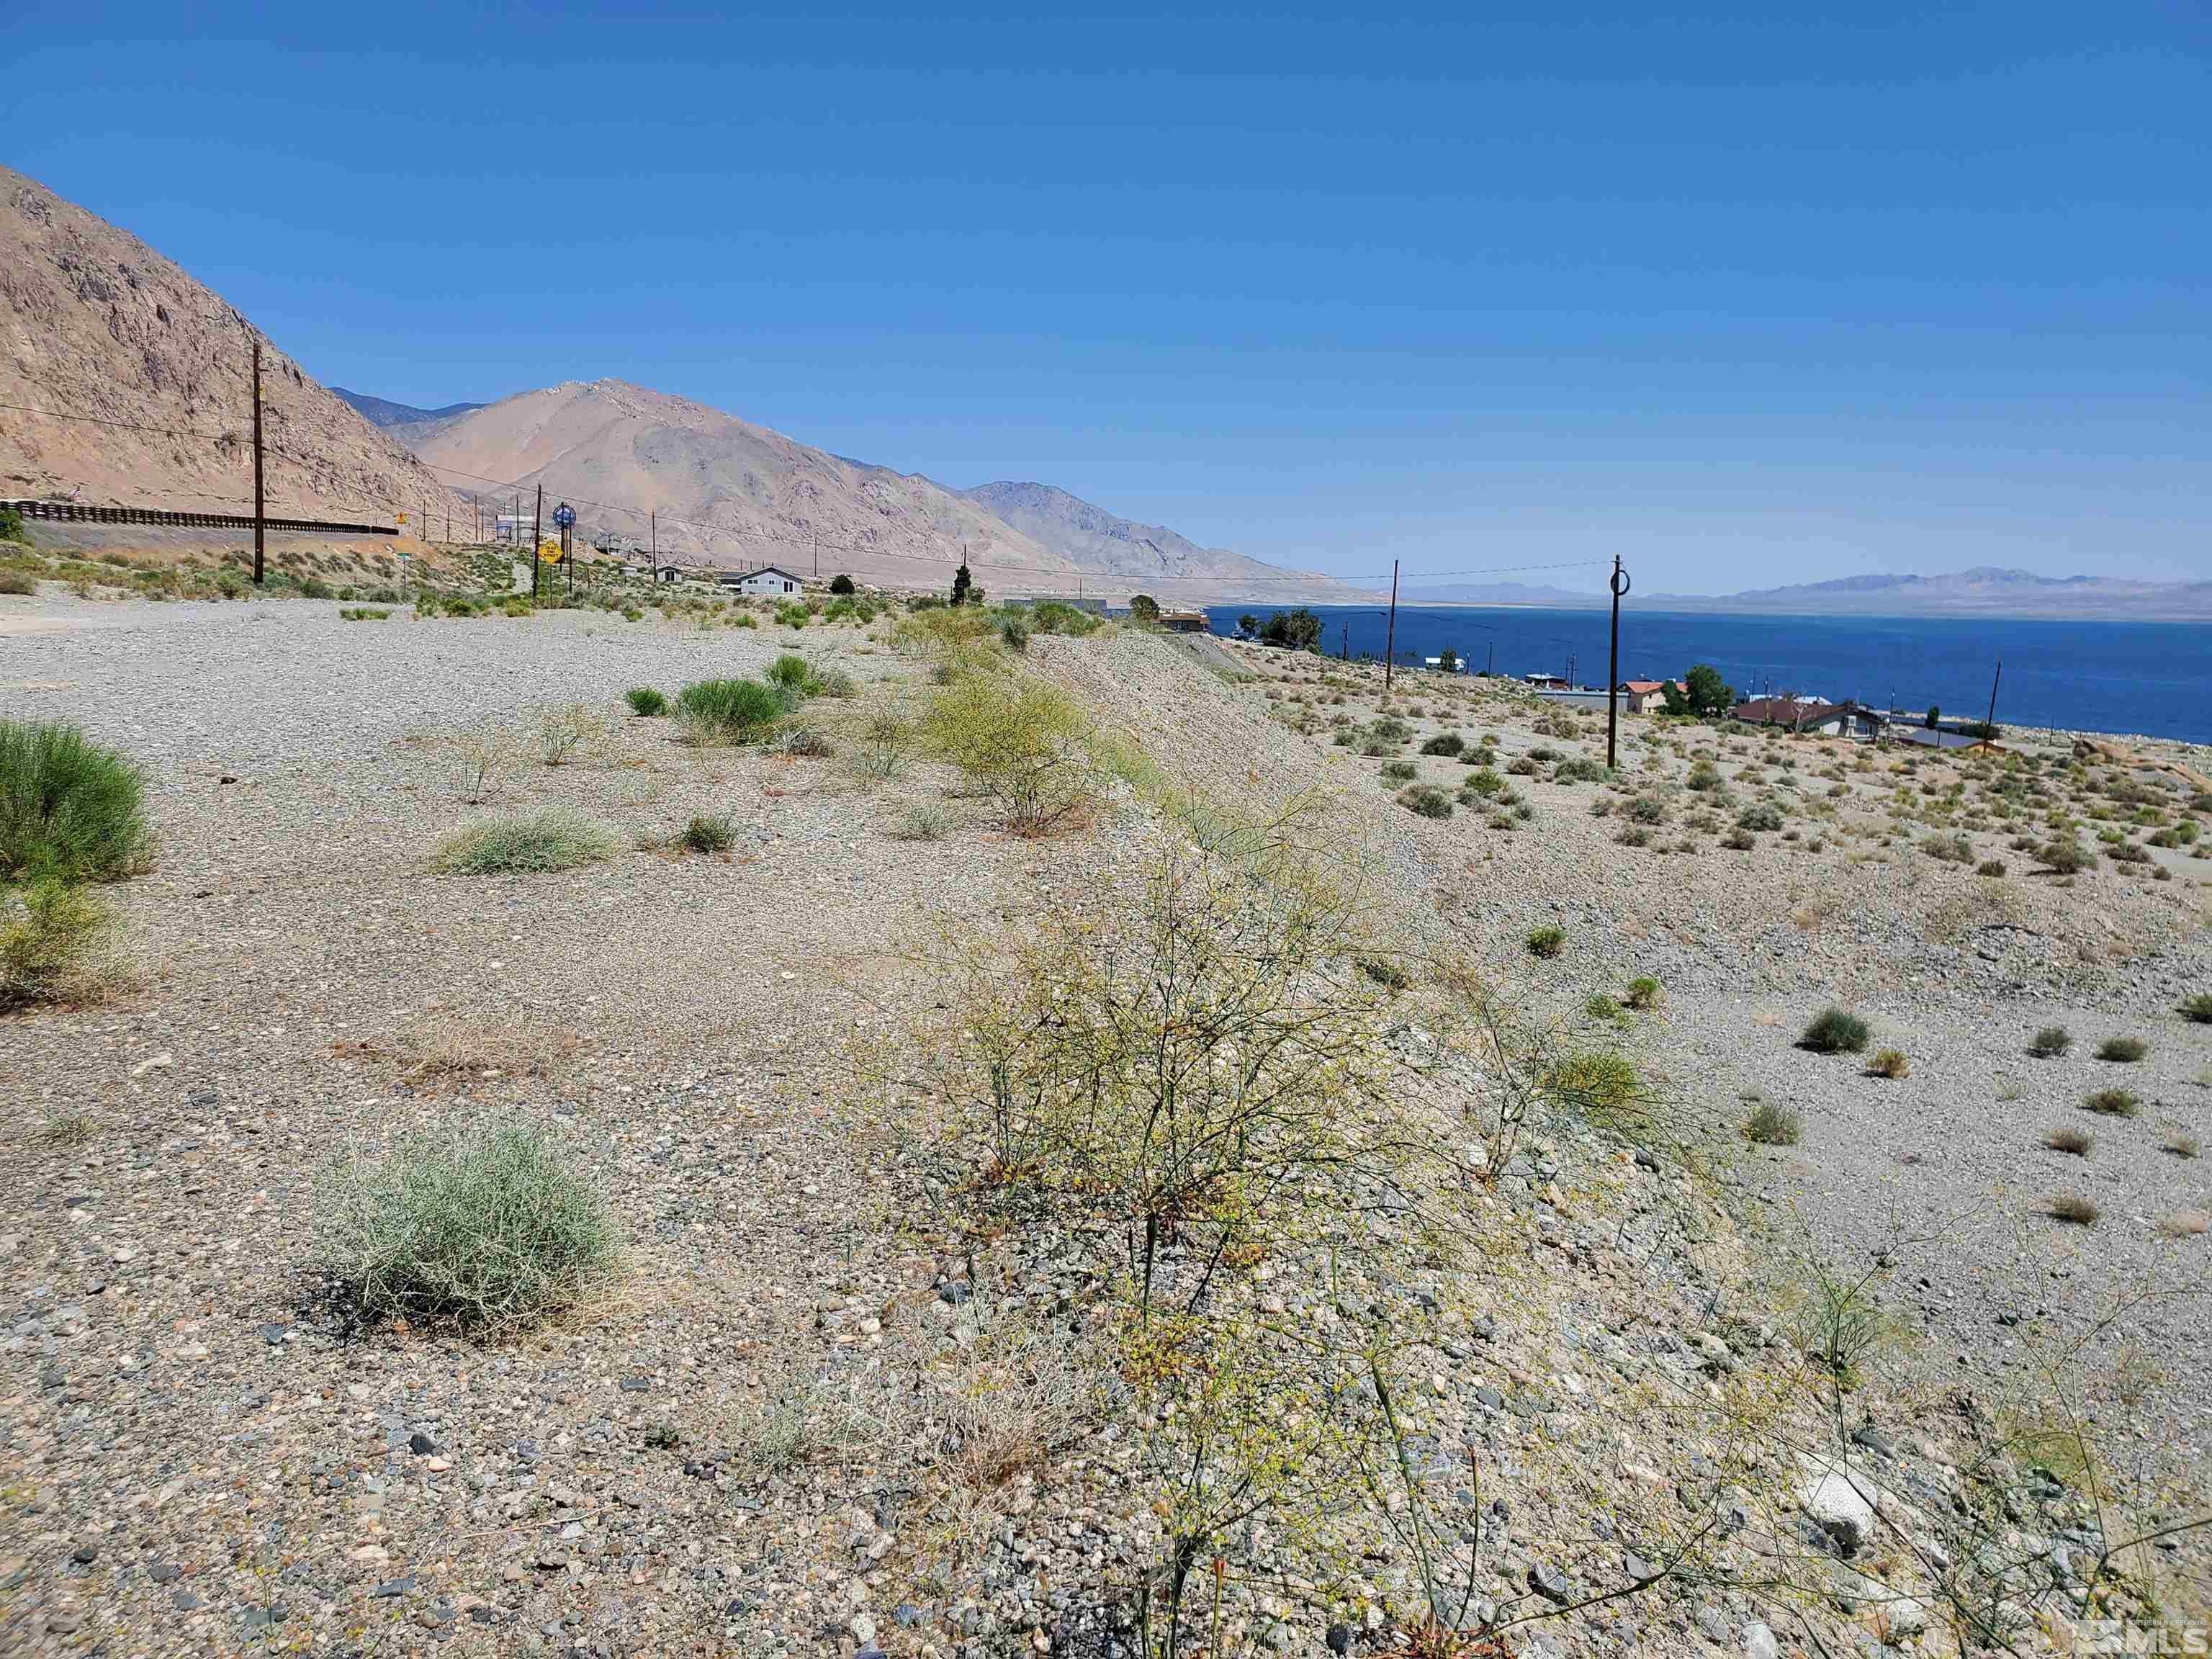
x: 727, y: 491
x: 1149, y: 554
x: 96, y: 325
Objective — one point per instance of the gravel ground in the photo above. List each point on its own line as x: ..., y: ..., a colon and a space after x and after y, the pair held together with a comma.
x: 197, y: 1457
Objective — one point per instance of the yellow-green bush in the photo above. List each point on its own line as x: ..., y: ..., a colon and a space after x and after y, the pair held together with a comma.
x: 1020, y: 742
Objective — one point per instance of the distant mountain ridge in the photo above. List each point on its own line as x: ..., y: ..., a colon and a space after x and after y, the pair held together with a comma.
x: 730, y: 492
x: 382, y: 411
x: 1102, y: 542
x: 1983, y: 590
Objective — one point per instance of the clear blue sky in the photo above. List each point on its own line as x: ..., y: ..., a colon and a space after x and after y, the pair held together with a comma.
x: 1747, y: 294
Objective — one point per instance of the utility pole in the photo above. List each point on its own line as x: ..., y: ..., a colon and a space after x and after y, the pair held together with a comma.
x: 1491, y: 661
x: 814, y: 546
x: 536, y: 530
x: 1991, y: 726
x: 1390, y: 637
x: 1620, y: 586
x: 260, y: 525
x: 655, y: 521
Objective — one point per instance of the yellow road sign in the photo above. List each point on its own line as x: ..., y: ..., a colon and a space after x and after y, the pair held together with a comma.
x: 549, y: 552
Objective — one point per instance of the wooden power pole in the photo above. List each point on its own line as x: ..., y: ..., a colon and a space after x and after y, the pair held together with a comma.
x: 260, y: 517
x: 536, y: 530
x: 1390, y: 637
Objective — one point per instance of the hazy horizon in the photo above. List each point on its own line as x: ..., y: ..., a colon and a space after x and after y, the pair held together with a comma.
x: 1751, y: 298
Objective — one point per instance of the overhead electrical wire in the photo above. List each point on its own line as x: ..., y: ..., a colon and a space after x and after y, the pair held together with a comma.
x: 793, y: 538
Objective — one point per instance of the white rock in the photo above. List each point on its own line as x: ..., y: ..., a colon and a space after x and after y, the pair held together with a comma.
x: 1758, y: 1641
x: 1841, y: 1509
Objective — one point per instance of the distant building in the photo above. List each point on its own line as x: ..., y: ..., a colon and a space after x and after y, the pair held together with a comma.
x: 1185, y: 621
x: 516, y: 529
x: 1642, y: 696
x: 770, y: 581
x: 1814, y: 716
x: 1547, y: 682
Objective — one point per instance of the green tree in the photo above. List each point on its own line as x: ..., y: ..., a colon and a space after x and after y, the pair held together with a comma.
x: 961, y: 583
x: 1707, y: 692
x: 1934, y: 717
x: 1448, y: 659
x: 1294, y: 630
x: 1143, y: 607
x: 1248, y: 626
x: 1672, y: 696
x: 841, y: 584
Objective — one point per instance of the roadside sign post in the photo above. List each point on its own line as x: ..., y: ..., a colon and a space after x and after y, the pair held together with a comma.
x: 564, y: 516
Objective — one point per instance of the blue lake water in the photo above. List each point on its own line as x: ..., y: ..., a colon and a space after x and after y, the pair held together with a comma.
x: 2149, y: 678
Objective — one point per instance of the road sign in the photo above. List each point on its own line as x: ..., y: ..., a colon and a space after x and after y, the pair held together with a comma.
x: 549, y: 552
x: 564, y: 515
x: 402, y: 517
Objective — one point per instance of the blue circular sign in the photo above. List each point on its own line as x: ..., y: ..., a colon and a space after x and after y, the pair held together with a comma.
x: 564, y: 515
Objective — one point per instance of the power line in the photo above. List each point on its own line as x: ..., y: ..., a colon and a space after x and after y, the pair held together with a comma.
x: 713, y: 528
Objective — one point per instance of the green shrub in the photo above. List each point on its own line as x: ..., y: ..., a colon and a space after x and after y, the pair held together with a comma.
x: 713, y: 832
x: 921, y: 824
x: 53, y: 935
x: 1020, y: 742
x: 2075, y: 1142
x: 645, y: 703
x: 2068, y: 857
x: 1633, y: 834
x: 2123, y: 1050
x: 1484, y: 781
x: 2113, y: 1103
x: 1889, y: 1063
x: 1835, y: 1031
x: 1579, y: 770
x: 1773, y: 1124
x: 1425, y: 800
x: 2198, y: 1010
x: 1951, y: 849
x: 477, y: 1227
x: 1760, y: 815
x: 364, y: 613
x: 1738, y: 841
x: 1444, y: 743
x: 730, y: 711
x: 1399, y: 771
x: 1598, y: 1083
x: 1547, y: 941
x: 1646, y: 809
x: 841, y: 584
x: 11, y: 524
x: 17, y: 581
x: 1989, y: 867
x: 1644, y: 991
x: 1015, y: 633
x: 790, y: 674
x: 2049, y: 1042
x: 1058, y: 616
x: 69, y: 808
x: 554, y: 838
x: 1601, y: 1006
x: 2074, y: 1208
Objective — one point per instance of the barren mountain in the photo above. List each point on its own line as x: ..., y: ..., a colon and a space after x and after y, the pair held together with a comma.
x: 727, y: 491
x: 1150, y: 555
x: 1984, y: 590
x: 156, y: 371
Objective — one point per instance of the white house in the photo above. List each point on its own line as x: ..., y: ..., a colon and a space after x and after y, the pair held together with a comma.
x: 770, y: 581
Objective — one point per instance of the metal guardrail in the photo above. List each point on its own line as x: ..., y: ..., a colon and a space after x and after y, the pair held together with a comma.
x: 79, y: 512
